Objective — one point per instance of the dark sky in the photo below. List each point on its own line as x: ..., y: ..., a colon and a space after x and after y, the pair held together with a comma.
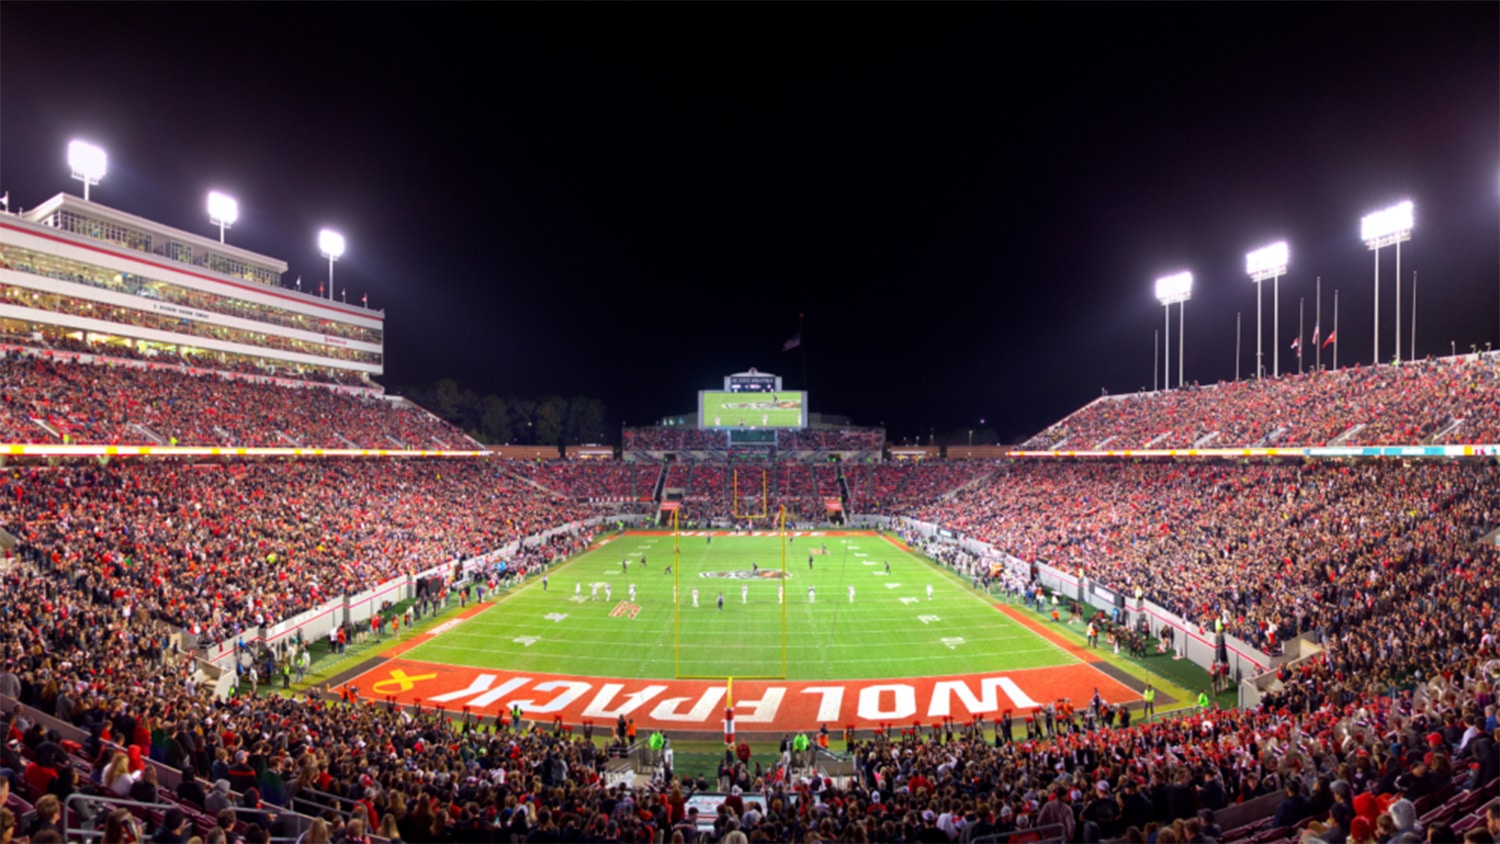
x: 969, y: 202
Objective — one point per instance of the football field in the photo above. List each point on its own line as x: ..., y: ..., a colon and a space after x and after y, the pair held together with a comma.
x: 858, y: 632
x: 908, y: 619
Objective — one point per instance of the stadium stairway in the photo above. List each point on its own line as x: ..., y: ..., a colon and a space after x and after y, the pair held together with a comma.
x: 149, y: 434
x: 1349, y: 434
x: 661, y: 483
x: 1444, y: 430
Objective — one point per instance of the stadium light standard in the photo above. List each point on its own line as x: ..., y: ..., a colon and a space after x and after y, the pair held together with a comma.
x: 1174, y: 290
x: 1268, y: 262
x: 1390, y: 226
x: 331, y: 243
x: 88, y: 162
x: 222, y: 209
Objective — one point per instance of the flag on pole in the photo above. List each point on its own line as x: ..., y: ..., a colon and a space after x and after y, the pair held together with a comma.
x: 1297, y: 344
x: 1315, y: 334
x: 1331, y: 335
x: 792, y: 343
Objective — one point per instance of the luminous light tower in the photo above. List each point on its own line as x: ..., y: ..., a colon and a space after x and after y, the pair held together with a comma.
x: 1174, y: 290
x: 1268, y: 262
x: 1383, y: 228
x: 223, y: 210
x: 88, y: 162
x: 332, y: 245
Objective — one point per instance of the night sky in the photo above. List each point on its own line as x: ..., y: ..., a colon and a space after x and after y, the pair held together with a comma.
x: 970, y: 203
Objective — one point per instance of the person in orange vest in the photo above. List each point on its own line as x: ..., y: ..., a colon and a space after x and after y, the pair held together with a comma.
x: 630, y: 730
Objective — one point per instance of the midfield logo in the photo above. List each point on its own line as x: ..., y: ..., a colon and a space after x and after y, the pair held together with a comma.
x: 624, y: 608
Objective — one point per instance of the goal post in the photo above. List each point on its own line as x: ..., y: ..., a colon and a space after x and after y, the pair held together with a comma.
x: 737, y: 659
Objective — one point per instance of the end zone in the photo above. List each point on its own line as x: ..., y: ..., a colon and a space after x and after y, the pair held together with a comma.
x: 771, y: 706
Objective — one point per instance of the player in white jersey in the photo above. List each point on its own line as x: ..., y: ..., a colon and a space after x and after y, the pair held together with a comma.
x: 632, y: 593
x: 609, y: 592
x: 695, y: 598
x: 577, y: 589
x: 593, y: 592
x: 780, y: 594
x: 929, y: 591
x: 851, y: 593
x: 812, y: 595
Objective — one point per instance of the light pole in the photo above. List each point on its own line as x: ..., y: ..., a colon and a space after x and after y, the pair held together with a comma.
x: 331, y: 243
x: 1174, y: 290
x: 223, y: 210
x: 1268, y: 262
x: 1390, y: 226
x: 88, y: 162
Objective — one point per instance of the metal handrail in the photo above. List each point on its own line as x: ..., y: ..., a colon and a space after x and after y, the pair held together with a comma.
x: 1040, y: 831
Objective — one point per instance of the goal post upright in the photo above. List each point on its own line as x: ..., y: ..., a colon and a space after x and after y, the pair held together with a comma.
x: 785, y: 596
x: 676, y: 599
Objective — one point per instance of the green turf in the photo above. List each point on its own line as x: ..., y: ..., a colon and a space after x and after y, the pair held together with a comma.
x: 876, y: 636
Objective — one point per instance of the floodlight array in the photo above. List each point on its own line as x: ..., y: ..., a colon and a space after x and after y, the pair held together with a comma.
x: 1267, y: 262
x: 88, y: 161
x: 1174, y: 288
x: 223, y: 209
x: 331, y: 243
x: 1388, y: 226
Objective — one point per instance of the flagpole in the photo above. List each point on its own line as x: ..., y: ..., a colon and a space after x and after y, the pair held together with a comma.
x: 1155, y: 359
x: 1335, y: 329
x: 803, y: 346
x: 1413, y: 355
x: 1236, y: 345
x: 1301, y: 306
x: 1317, y: 323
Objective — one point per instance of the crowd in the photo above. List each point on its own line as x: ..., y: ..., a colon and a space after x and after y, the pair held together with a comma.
x: 218, y: 550
x: 111, y: 404
x: 1381, y: 562
x: 809, y: 439
x: 818, y: 439
x: 592, y: 479
x: 1384, y: 552
x: 1452, y: 400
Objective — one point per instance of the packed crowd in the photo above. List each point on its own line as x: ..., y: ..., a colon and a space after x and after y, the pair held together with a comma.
x: 898, y: 487
x: 592, y: 479
x: 89, y: 403
x: 220, y: 549
x: 817, y: 439
x: 810, y: 439
x: 1380, y: 558
x: 672, y: 439
x: 1453, y: 400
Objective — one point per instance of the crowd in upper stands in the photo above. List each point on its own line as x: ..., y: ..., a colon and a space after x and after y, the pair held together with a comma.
x: 1452, y: 400
x: 88, y: 403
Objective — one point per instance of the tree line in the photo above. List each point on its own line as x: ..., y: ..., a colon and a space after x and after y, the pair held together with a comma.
x: 491, y: 419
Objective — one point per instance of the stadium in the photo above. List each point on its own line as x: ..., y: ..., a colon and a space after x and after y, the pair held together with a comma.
x: 253, y: 594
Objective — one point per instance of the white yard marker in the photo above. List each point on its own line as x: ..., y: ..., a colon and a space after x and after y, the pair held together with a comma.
x: 556, y: 616
x: 909, y: 601
x: 951, y: 643
x: 928, y: 619
x: 528, y: 641
x: 893, y: 586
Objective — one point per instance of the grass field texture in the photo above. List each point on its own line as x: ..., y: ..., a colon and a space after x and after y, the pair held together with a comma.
x: 891, y: 629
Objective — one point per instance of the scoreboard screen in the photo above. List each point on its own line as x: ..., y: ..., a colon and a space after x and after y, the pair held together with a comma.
x: 723, y: 409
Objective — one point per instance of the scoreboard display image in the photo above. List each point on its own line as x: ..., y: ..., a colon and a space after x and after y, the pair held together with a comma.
x: 782, y: 409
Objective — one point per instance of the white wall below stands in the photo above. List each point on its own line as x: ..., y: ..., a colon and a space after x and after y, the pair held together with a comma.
x: 1191, y: 639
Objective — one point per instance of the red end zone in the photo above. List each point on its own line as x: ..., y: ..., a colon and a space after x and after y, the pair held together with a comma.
x: 758, y: 705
